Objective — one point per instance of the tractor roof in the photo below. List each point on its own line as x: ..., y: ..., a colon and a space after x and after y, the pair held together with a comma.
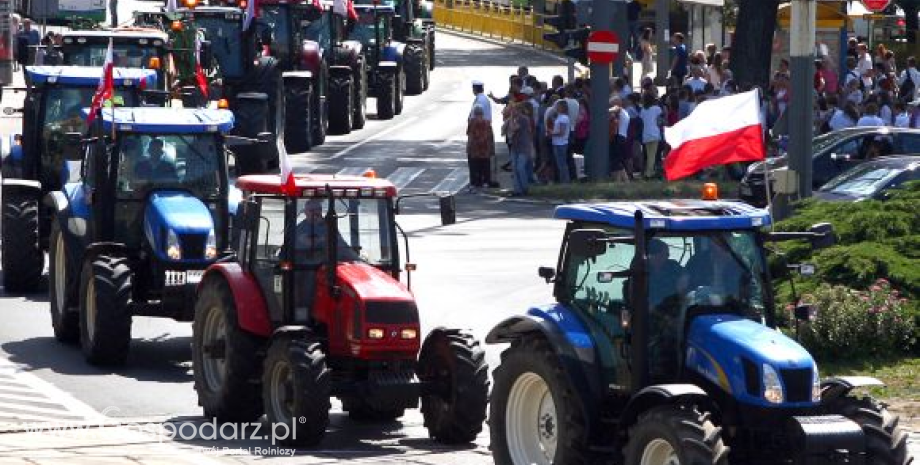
x: 167, y: 120
x: 89, y: 75
x: 682, y: 215
x: 314, y: 185
x: 381, y: 8
x: 117, y: 34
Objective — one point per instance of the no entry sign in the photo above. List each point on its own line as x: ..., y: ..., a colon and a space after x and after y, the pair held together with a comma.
x: 876, y: 6
x: 603, y: 47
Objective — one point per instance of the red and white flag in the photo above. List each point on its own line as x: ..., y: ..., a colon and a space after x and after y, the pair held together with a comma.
x: 199, y: 72
x: 721, y: 131
x: 345, y: 9
x: 106, y: 89
x: 288, y: 184
x: 171, y: 6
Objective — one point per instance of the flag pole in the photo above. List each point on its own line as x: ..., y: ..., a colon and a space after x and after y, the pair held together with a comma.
x: 766, y: 169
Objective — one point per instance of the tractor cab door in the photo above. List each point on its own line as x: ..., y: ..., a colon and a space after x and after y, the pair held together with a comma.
x: 267, y: 243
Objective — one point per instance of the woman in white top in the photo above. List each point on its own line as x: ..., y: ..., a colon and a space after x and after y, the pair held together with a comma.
x: 651, y: 116
x: 645, y: 44
x: 715, y: 71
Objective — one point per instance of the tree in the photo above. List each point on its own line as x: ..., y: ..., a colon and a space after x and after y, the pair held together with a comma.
x: 753, y: 43
x: 911, y: 8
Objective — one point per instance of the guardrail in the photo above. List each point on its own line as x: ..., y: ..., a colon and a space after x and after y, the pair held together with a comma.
x: 517, y: 24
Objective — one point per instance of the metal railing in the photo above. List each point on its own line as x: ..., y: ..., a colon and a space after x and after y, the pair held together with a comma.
x: 496, y: 21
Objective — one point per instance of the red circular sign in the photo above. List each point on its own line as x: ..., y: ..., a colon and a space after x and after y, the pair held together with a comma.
x: 603, y: 47
x: 876, y: 6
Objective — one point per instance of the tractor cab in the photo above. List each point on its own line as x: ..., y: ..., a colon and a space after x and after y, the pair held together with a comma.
x: 150, y: 210
x: 132, y: 48
x: 374, y: 25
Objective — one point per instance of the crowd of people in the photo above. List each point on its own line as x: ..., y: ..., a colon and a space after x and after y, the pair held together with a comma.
x: 31, y: 48
x: 545, y: 124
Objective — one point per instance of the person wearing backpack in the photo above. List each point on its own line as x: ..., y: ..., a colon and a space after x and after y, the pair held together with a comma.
x: 907, y: 83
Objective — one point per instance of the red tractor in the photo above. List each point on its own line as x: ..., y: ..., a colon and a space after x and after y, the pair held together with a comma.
x: 313, y: 308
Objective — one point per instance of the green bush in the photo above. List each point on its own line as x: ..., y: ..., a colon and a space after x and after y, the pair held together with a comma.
x: 851, y: 324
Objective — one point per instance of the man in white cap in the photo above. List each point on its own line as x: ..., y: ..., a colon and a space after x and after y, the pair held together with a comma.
x: 481, y: 100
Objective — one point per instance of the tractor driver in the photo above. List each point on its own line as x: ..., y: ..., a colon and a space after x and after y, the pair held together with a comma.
x: 310, y: 236
x: 667, y: 283
x: 154, y: 168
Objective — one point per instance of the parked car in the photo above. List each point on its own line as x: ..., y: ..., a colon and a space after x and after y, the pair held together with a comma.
x: 872, y: 180
x: 834, y: 153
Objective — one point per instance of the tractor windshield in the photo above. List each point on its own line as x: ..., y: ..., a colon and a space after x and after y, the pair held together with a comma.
x: 224, y: 33
x: 190, y: 162
x: 275, y: 29
x: 125, y: 55
x: 364, y: 231
x: 364, y: 30
x: 318, y: 31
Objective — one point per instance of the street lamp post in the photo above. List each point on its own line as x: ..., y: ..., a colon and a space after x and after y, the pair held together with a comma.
x: 597, y: 161
x: 662, y: 21
x: 801, y: 116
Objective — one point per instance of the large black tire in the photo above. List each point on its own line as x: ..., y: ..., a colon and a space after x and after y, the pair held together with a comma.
x: 456, y: 363
x: 400, y: 91
x: 386, y: 97
x: 680, y: 430
x: 297, y: 119
x: 341, y: 104
x: 525, y: 358
x: 431, y: 52
x: 22, y: 257
x: 297, y: 368
x: 414, y: 65
x: 426, y: 74
x: 320, y: 118
x: 64, y: 321
x: 886, y: 442
x: 360, y: 91
x: 105, y: 310
x: 360, y: 411
x: 237, y: 395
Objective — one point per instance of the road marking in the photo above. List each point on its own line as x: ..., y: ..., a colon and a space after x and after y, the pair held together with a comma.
x: 353, y: 171
x: 380, y: 134
x: 21, y: 392
x: 403, y: 176
x: 456, y: 180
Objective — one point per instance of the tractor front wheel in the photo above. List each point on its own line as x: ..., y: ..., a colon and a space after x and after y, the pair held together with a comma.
x: 675, y: 434
x: 226, y: 360
x: 886, y: 442
x: 400, y: 94
x: 22, y: 257
x: 64, y: 322
x: 296, y: 387
x: 386, y: 95
x: 455, y: 363
x: 341, y: 104
x: 535, y: 416
x: 297, y: 119
x: 105, y: 310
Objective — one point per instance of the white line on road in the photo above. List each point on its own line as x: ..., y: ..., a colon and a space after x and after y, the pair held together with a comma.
x: 353, y: 171
x: 65, y: 400
x: 456, y: 180
x: 403, y: 176
x: 380, y: 134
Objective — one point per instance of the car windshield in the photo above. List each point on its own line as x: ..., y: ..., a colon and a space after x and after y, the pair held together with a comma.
x: 223, y: 31
x: 824, y: 141
x: 365, y: 232
x: 189, y: 162
x: 125, y: 55
x: 862, y: 180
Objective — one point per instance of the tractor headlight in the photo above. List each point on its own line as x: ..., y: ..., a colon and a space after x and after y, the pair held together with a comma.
x: 173, y: 248
x: 210, y: 248
x: 816, y: 385
x: 772, y: 387
x: 375, y: 333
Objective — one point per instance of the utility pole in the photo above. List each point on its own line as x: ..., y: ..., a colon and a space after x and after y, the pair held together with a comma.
x: 663, y: 36
x: 598, y: 154
x: 800, y: 118
x: 620, y: 25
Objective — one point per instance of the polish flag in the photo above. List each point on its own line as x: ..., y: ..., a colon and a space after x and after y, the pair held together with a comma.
x: 106, y: 88
x: 721, y: 131
x: 199, y: 73
x: 345, y: 9
x: 288, y: 185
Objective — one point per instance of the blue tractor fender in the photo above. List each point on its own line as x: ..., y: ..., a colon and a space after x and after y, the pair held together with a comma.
x: 573, y: 344
x: 180, y: 213
x: 836, y: 387
x: 662, y: 394
x: 393, y: 52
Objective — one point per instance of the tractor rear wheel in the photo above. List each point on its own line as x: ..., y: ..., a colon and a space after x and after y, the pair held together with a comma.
x: 675, y: 434
x: 886, y: 442
x: 66, y: 323
x: 296, y: 386
x: 400, y: 94
x: 105, y: 310
x: 414, y: 64
x: 455, y: 363
x: 22, y: 257
x: 535, y: 416
x: 386, y: 96
x: 341, y: 104
x: 296, y: 119
x: 226, y: 360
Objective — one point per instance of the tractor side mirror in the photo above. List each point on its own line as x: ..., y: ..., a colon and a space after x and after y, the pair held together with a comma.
x: 448, y: 210
x: 823, y: 236
x: 73, y: 146
x: 588, y: 243
x: 547, y: 273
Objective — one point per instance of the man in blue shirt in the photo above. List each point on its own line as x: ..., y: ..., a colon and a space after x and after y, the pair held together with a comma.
x: 679, y: 59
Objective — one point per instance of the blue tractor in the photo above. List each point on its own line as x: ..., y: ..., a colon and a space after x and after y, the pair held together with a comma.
x: 149, y: 212
x: 389, y: 60
x: 661, y: 349
x: 33, y: 161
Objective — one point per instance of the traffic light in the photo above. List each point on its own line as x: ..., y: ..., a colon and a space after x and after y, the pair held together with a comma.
x: 563, y: 22
x: 579, y: 45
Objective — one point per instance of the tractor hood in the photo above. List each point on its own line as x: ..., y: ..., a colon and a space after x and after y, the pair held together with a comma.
x: 177, y: 218
x: 370, y: 283
x: 732, y: 352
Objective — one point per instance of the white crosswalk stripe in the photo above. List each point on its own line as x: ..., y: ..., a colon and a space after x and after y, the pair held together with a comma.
x: 25, y: 398
x: 413, y: 178
x: 453, y: 182
x: 404, y: 176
